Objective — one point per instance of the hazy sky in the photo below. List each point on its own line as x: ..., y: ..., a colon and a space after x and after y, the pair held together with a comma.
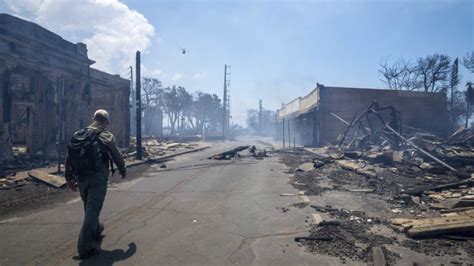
x: 278, y: 50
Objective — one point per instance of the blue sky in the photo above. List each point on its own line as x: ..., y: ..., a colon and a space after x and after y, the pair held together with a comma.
x: 278, y: 50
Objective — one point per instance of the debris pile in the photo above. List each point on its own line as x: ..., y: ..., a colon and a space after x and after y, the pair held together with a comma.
x: 347, y: 236
x: 371, y: 138
x: 17, y: 178
x: 420, y: 185
x: 259, y: 154
x: 353, y: 234
x: 450, y: 224
x: 152, y: 148
x: 24, y: 161
x: 441, y: 171
x: 305, y: 168
x: 8, y: 180
x: 241, y: 151
x: 227, y: 155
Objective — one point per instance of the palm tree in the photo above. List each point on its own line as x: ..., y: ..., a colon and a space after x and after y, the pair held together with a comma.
x: 469, y: 99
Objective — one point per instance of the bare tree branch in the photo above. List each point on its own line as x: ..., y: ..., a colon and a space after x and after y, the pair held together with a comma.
x: 433, y: 71
x: 468, y: 61
x: 400, y: 75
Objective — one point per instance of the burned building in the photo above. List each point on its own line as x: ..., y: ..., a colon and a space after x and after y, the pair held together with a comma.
x: 49, y: 90
x: 311, y: 120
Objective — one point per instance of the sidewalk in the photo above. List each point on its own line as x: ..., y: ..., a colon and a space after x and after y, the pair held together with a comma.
x: 12, y: 181
x: 22, y: 193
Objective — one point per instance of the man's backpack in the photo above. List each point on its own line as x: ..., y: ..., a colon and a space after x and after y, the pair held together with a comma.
x: 86, y: 153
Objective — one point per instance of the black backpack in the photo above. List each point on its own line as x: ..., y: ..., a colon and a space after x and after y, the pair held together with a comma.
x: 86, y: 153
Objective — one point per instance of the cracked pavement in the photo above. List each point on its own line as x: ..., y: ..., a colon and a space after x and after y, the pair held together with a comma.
x: 196, y: 211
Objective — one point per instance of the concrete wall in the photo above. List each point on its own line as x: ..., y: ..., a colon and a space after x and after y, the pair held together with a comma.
x: 49, y: 89
x: 310, y: 101
x: 313, y: 125
x: 290, y: 109
x: 418, y: 109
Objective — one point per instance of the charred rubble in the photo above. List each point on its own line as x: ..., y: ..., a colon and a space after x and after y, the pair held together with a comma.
x: 426, y: 181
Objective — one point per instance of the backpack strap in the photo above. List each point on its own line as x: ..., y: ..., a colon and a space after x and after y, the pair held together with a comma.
x: 96, y: 130
x: 95, y: 133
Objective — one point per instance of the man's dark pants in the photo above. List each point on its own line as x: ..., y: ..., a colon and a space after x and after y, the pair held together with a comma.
x: 93, y: 190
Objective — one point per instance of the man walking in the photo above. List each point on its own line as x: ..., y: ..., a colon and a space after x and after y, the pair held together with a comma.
x: 87, y: 167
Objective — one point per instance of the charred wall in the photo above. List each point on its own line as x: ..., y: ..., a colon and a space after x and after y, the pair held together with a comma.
x: 313, y: 125
x: 112, y: 93
x: 49, y: 90
x: 422, y: 110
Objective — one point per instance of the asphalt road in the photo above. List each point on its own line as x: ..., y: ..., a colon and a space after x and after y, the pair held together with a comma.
x: 194, y: 212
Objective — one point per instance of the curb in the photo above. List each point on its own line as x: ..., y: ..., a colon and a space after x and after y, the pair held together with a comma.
x: 164, y: 158
x: 24, y: 174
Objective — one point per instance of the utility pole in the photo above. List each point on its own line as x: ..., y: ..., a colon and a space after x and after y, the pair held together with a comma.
x: 228, y: 101
x: 138, y: 106
x: 133, y: 101
x: 226, y: 109
x: 260, y: 117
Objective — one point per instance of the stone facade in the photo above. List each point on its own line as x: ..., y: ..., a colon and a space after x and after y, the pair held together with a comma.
x: 49, y: 90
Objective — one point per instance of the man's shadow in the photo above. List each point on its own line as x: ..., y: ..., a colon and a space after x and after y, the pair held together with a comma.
x: 108, y: 257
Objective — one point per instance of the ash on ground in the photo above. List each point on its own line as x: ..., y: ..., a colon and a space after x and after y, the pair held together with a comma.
x: 347, y: 234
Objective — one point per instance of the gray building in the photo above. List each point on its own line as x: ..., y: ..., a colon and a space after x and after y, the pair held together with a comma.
x: 311, y: 123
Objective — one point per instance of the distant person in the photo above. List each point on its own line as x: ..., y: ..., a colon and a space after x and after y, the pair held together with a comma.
x: 89, y: 155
